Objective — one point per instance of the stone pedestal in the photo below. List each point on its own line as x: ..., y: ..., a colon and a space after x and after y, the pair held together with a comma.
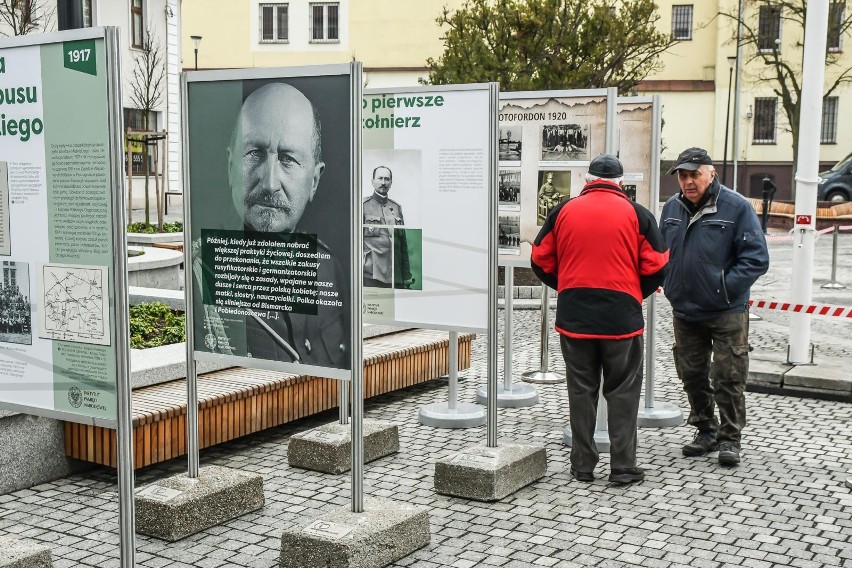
x: 176, y: 507
x: 328, y: 448
x: 489, y: 474
x: 16, y: 553
x: 385, y: 532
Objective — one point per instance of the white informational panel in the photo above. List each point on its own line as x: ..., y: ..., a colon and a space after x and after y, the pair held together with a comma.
x: 636, y: 148
x: 272, y: 209
x: 426, y: 178
x: 546, y: 141
x: 62, y: 257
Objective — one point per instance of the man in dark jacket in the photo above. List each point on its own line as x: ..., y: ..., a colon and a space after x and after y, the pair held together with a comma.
x: 717, y: 252
x: 603, y: 253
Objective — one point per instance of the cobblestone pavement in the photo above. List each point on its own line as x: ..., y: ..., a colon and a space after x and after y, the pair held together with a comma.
x: 786, y: 505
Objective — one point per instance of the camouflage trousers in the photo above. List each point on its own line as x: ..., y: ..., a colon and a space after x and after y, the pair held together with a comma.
x: 720, y: 382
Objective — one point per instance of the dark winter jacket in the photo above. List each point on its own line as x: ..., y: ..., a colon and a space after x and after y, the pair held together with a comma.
x: 603, y: 253
x: 716, y: 255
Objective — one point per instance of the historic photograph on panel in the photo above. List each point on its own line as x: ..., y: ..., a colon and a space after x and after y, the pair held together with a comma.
x: 565, y: 143
x: 554, y: 187
x: 16, y: 325
x: 270, y: 182
x: 510, y: 143
x: 391, y: 202
x: 509, y: 234
x: 509, y: 188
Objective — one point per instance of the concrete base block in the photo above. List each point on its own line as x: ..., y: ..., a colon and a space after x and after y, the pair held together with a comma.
x: 830, y: 376
x: 489, y: 474
x: 16, y: 553
x: 385, y: 532
x: 849, y: 482
x: 328, y: 448
x: 766, y: 372
x: 177, y: 507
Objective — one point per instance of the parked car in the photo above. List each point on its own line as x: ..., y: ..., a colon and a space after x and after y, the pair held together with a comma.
x: 836, y: 184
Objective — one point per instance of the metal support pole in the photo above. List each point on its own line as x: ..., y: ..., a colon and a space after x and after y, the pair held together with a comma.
x: 735, y: 143
x: 654, y: 413
x: 192, y: 449
x: 343, y: 401
x: 834, y: 285
x: 807, y: 178
x: 453, y: 363
x: 491, y: 387
x: 510, y: 395
x: 543, y: 375
x: 452, y: 414
x: 508, y: 316
x: 356, y: 286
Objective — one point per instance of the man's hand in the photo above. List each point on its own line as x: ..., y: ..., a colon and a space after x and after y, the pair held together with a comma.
x: 409, y: 283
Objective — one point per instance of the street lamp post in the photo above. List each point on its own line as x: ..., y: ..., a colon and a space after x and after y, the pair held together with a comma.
x: 196, y: 40
x: 732, y: 61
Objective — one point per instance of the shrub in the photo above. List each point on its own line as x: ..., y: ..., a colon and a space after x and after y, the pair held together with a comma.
x: 155, y: 324
x: 142, y: 227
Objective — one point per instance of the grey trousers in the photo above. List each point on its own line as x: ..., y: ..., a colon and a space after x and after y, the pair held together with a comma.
x: 620, y: 362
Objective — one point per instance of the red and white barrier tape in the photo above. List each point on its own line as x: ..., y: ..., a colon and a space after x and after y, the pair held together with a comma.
x: 817, y: 310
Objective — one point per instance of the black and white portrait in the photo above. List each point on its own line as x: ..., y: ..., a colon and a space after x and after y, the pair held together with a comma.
x: 509, y: 189
x: 509, y: 234
x: 510, y: 143
x: 565, y: 142
x: 15, y: 309
x: 554, y: 187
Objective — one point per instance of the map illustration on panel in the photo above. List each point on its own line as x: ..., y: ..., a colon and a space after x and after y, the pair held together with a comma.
x: 75, y: 303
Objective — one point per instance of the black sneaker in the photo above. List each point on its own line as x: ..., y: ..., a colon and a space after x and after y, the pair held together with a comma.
x: 585, y: 476
x: 625, y: 476
x: 729, y: 454
x: 703, y: 443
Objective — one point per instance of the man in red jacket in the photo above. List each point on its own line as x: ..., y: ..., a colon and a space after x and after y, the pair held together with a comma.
x: 603, y: 253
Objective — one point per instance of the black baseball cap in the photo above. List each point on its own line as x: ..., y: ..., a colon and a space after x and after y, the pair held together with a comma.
x: 691, y: 159
x: 606, y: 166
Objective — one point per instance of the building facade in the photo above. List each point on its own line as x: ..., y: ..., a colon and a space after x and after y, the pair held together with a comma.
x: 135, y: 20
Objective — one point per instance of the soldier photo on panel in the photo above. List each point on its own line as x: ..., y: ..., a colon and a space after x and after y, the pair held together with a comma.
x: 392, y: 245
x: 554, y: 187
x: 15, y: 309
x: 509, y: 189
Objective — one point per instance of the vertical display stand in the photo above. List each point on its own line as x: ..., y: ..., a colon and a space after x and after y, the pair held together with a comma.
x: 654, y: 413
x: 544, y: 376
x: 511, y: 395
x: 452, y: 414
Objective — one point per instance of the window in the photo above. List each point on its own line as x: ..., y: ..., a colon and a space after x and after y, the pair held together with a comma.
x: 769, y: 27
x: 764, y: 120
x: 136, y: 24
x: 273, y: 23
x: 73, y: 14
x: 835, y: 25
x: 135, y: 120
x: 325, y: 23
x: 828, y: 131
x: 682, y: 22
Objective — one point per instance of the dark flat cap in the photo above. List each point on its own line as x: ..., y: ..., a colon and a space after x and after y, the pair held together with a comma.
x: 691, y: 159
x: 606, y: 166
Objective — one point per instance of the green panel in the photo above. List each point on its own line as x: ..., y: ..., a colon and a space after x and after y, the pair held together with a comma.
x: 79, y: 223
x: 81, y: 56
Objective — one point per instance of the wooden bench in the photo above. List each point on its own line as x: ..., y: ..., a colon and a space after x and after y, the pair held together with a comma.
x: 782, y: 215
x: 239, y: 401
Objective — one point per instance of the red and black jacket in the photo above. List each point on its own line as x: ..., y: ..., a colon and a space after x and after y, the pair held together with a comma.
x: 603, y: 253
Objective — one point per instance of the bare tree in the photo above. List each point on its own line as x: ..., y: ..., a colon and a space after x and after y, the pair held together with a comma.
x: 780, y: 66
x: 21, y: 17
x: 146, y: 94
